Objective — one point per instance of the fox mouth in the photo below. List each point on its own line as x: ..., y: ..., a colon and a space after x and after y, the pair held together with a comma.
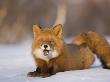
x: 46, y: 52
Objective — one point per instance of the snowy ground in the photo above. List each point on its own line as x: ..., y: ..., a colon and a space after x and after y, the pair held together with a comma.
x: 16, y: 61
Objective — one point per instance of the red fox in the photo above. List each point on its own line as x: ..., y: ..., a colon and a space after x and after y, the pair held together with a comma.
x: 52, y: 54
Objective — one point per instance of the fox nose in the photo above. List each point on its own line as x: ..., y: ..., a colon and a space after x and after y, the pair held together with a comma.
x: 45, y: 46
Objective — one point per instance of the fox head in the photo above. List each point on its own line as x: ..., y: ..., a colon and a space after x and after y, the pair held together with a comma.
x: 47, y: 43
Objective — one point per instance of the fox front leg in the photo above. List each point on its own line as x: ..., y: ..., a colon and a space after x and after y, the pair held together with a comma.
x: 39, y: 73
x: 34, y: 73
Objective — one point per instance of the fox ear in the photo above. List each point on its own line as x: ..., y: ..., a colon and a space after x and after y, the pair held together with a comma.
x: 58, y: 30
x: 36, y: 30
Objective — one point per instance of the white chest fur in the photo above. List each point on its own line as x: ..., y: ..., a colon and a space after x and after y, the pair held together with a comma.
x: 39, y: 54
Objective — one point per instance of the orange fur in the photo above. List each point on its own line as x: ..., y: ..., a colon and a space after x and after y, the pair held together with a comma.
x: 69, y: 56
x: 97, y: 43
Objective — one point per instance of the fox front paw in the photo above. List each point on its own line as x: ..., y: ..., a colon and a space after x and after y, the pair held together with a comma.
x: 33, y: 74
x: 43, y: 75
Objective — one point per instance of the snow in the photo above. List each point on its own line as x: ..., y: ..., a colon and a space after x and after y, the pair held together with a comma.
x: 16, y: 61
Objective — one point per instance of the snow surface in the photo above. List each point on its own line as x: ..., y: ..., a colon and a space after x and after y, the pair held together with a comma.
x: 16, y: 61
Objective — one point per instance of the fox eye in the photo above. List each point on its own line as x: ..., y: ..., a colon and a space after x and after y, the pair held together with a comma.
x: 52, y: 42
x: 40, y: 40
